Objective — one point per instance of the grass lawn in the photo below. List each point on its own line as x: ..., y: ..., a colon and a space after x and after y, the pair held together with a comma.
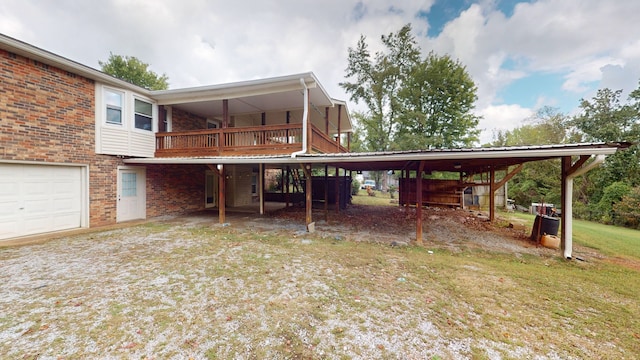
x: 380, y: 198
x: 608, y: 239
x: 265, y: 289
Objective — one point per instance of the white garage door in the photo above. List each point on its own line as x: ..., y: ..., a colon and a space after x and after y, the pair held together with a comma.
x: 39, y: 198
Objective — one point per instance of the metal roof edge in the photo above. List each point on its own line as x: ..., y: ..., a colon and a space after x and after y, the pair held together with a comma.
x: 236, y: 89
x: 431, y: 155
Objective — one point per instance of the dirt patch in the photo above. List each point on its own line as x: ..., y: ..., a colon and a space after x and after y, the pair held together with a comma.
x: 455, y: 228
x: 626, y: 262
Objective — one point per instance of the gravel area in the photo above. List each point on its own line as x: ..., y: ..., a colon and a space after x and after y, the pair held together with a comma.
x: 189, y: 288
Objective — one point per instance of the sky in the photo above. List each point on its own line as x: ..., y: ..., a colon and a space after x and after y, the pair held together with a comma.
x: 522, y: 55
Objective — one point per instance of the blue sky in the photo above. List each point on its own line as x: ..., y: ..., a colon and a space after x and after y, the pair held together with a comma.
x: 522, y: 55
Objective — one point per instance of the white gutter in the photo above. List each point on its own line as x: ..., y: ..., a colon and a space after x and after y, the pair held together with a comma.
x: 567, y: 207
x: 305, y: 114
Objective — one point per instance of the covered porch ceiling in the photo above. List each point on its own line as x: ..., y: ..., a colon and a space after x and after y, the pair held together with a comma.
x: 257, y: 96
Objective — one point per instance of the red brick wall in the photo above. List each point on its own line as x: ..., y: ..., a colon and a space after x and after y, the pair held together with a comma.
x: 184, y: 121
x: 174, y: 189
x: 47, y: 115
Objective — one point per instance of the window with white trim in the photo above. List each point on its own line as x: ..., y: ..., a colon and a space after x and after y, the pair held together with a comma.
x: 113, y: 101
x: 143, y: 115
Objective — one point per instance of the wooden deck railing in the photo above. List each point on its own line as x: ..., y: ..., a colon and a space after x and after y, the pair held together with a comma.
x: 258, y: 140
x: 321, y: 142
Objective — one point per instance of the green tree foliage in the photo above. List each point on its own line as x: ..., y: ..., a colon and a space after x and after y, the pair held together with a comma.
x: 377, y: 81
x: 607, y: 118
x: 539, y: 180
x: 131, y: 69
x: 612, y: 195
x: 411, y: 103
x: 627, y: 209
x: 438, y: 98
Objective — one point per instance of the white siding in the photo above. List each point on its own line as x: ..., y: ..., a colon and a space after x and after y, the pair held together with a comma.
x: 125, y: 139
x: 114, y: 141
x: 142, y: 143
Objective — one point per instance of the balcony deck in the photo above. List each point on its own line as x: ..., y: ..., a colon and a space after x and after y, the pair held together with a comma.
x: 259, y: 140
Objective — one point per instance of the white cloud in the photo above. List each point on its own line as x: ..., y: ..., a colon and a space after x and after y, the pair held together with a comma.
x: 501, y: 118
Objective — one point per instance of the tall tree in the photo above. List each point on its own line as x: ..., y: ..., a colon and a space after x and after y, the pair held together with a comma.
x: 131, y: 69
x: 412, y: 103
x: 377, y: 81
x: 437, y: 100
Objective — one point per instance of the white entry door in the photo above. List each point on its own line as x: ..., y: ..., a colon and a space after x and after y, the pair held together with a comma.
x: 132, y: 195
x: 37, y: 199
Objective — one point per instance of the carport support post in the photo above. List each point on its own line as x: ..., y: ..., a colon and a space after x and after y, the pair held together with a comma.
x: 566, y: 216
x: 337, y: 189
x: 326, y: 190
x: 219, y: 170
x: 419, y: 203
x: 286, y: 173
x: 261, y: 187
x: 309, y: 200
x: 492, y: 194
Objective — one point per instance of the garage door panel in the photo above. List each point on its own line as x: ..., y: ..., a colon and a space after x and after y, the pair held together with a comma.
x: 36, y: 187
x: 9, y: 229
x: 39, y: 198
x: 8, y: 188
x: 69, y: 187
x: 64, y: 205
x: 66, y: 220
x: 36, y: 206
x: 38, y: 224
x: 8, y: 208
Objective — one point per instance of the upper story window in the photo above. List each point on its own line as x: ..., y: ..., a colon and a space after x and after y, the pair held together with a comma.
x: 143, y: 115
x: 113, y: 100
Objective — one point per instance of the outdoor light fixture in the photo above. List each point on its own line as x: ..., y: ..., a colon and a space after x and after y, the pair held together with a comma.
x: 457, y: 166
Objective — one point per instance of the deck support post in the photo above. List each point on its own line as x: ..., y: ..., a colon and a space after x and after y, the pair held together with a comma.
x: 419, y: 203
x: 308, y: 194
x: 261, y: 187
x: 219, y: 170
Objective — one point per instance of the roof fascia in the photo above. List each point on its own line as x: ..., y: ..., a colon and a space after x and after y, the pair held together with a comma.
x: 237, y: 89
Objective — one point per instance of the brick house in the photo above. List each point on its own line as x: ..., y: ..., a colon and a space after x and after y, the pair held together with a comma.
x: 70, y: 136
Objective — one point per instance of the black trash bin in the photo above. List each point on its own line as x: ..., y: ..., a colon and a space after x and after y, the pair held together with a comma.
x: 544, y: 224
x: 549, y: 225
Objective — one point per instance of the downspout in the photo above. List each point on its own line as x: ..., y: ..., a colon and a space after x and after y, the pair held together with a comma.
x: 305, y: 114
x: 567, y: 207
